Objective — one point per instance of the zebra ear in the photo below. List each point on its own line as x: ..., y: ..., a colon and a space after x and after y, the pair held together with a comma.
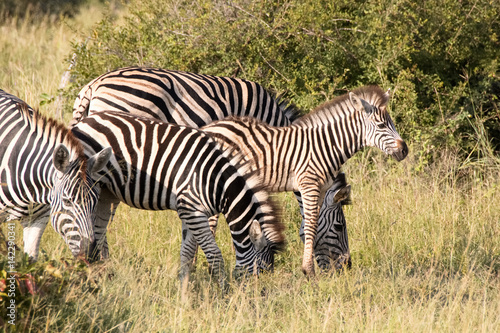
x: 60, y: 158
x: 342, y: 194
x: 97, y: 162
x: 257, y: 236
x: 355, y: 101
x: 360, y: 104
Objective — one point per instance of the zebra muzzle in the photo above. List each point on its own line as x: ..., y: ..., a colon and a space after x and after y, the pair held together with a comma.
x: 89, y: 250
x: 401, y: 150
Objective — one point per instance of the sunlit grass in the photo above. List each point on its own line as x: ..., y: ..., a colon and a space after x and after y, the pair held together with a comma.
x: 425, y: 258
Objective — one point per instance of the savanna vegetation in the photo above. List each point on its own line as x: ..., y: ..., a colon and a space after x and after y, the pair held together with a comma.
x: 424, y: 233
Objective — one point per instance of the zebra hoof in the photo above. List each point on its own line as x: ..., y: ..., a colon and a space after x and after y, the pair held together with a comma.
x: 184, y: 273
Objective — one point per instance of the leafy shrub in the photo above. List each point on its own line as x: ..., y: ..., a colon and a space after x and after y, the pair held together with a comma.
x: 39, y: 287
x: 439, y: 57
x: 27, y: 288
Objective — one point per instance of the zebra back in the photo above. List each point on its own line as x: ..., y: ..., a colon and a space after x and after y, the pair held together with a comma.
x: 42, y: 164
x: 180, y: 97
x: 159, y: 166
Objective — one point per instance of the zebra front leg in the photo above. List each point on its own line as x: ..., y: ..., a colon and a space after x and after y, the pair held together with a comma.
x: 33, y: 228
x: 189, y: 249
x: 105, y: 213
x: 310, y: 198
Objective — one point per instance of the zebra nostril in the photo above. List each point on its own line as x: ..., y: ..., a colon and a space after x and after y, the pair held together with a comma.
x: 402, y: 150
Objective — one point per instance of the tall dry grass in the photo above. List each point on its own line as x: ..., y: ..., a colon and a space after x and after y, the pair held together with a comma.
x: 425, y: 244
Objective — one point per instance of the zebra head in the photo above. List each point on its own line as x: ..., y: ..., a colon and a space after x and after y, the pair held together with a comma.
x: 380, y: 131
x: 331, y: 247
x: 264, y: 259
x: 74, y: 198
x: 259, y: 256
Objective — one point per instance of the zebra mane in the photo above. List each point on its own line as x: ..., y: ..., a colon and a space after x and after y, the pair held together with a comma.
x: 371, y: 94
x: 51, y: 127
x: 253, y: 121
x: 289, y: 109
x: 273, y: 226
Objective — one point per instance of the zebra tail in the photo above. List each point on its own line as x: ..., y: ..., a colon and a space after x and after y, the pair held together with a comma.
x: 82, y: 104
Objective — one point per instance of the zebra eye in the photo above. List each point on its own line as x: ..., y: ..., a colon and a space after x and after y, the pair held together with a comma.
x: 381, y: 125
x: 67, y: 202
x: 338, y: 227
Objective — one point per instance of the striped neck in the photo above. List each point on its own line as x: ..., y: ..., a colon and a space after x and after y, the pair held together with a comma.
x: 338, y: 127
x: 243, y: 202
x: 33, y: 165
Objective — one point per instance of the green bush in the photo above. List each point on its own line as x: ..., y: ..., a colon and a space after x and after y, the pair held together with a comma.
x: 440, y: 58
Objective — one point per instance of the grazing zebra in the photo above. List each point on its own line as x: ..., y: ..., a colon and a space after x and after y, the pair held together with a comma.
x: 196, y: 100
x: 331, y: 246
x: 159, y: 166
x: 43, y: 172
x: 307, y: 155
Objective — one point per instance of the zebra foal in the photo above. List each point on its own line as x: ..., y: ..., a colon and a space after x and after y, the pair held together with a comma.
x: 307, y: 155
x: 159, y: 166
x: 43, y: 172
x: 196, y: 100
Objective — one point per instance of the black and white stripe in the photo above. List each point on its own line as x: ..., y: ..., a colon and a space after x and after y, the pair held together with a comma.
x: 158, y: 166
x: 307, y: 155
x: 179, y: 97
x: 196, y: 100
x: 43, y: 172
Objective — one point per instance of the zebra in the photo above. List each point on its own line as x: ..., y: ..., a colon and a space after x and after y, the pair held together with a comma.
x: 43, y: 173
x: 307, y: 155
x: 159, y: 166
x: 331, y: 246
x: 180, y: 97
x: 196, y: 100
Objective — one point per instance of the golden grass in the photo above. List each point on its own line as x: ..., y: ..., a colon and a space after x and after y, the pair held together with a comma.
x: 425, y: 245
x: 34, y: 52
